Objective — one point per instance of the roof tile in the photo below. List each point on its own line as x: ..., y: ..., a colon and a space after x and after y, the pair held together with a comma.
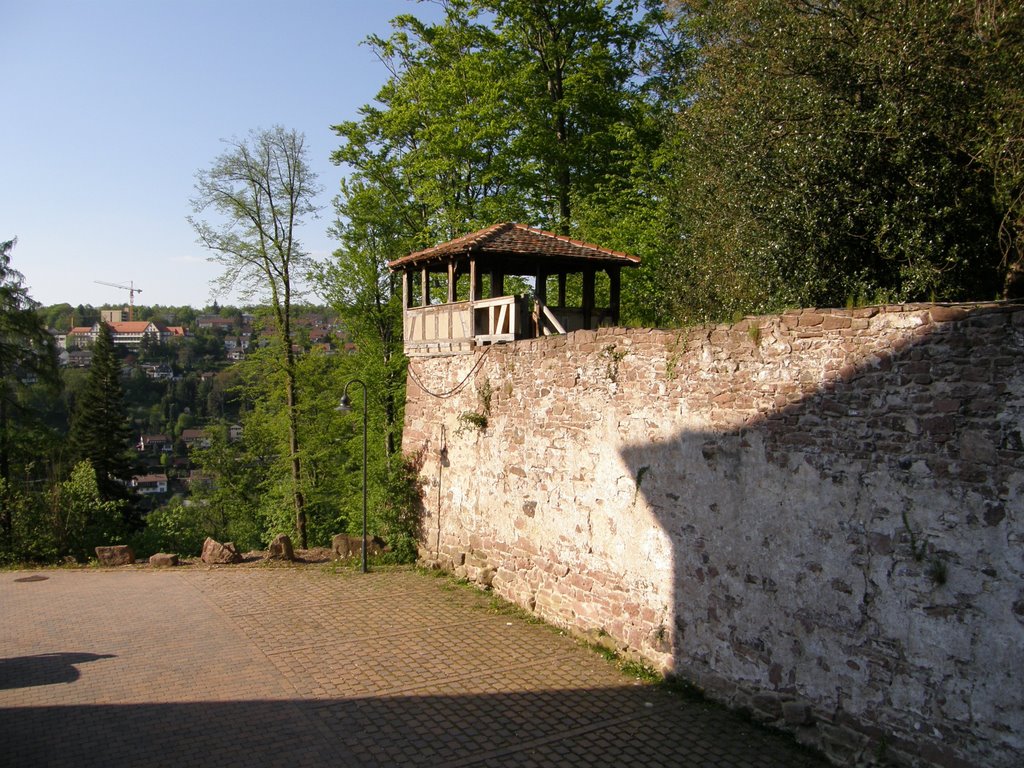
x: 516, y: 240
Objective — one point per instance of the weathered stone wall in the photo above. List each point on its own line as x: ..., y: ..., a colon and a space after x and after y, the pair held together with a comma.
x: 816, y: 516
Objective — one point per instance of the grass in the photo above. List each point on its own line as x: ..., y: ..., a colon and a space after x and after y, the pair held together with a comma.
x: 485, y: 600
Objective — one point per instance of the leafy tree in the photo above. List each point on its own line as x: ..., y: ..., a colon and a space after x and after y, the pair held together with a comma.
x: 27, y: 358
x: 569, y: 68
x: 520, y: 116
x: 81, y: 518
x: 848, y: 151
x: 176, y: 526
x: 100, y: 432
x: 261, y: 188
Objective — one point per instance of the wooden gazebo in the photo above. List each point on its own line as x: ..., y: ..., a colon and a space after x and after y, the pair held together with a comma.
x: 466, y: 319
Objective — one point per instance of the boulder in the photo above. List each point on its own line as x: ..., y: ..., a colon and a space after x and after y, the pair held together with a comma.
x: 281, y: 548
x: 119, y: 554
x: 352, y: 546
x: 215, y: 553
x: 163, y: 560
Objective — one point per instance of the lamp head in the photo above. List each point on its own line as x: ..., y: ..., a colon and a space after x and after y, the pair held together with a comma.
x: 345, y: 405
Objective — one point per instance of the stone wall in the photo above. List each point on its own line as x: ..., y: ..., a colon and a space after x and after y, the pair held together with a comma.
x: 815, y: 516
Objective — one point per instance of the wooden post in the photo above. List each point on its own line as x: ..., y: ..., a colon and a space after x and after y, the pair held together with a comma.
x: 424, y: 288
x: 406, y: 292
x: 476, y: 288
x: 541, y: 291
x: 476, y: 281
x: 451, y: 282
x: 497, y: 284
x: 588, y: 297
x: 615, y: 292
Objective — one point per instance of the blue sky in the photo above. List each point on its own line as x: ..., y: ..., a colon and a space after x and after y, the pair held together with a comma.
x: 111, y: 106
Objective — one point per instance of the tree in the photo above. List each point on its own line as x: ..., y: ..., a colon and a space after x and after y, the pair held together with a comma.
x: 518, y: 117
x: 100, y: 433
x: 569, y: 69
x: 79, y: 516
x: 27, y: 358
x: 844, y: 151
x: 261, y: 189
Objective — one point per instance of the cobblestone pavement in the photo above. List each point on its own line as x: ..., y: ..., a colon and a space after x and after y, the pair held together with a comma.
x: 298, y: 666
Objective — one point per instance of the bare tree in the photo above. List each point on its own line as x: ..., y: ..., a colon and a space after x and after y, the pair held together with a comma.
x: 260, y: 189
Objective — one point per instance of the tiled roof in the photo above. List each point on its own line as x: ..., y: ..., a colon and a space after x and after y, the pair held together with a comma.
x: 134, y: 326
x: 516, y: 241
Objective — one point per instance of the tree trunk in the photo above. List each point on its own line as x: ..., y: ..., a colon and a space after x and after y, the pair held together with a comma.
x: 6, y: 519
x: 292, y: 400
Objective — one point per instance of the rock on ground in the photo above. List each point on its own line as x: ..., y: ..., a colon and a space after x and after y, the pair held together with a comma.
x: 215, y: 553
x: 281, y: 548
x: 119, y: 554
x: 352, y: 546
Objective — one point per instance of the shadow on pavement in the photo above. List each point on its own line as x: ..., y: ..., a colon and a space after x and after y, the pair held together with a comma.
x: 631, y: 725
x: 44, y: 669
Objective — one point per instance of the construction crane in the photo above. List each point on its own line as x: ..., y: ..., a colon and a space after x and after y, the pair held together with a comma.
x: 132, y: 290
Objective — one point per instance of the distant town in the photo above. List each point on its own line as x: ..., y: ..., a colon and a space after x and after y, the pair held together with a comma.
x: 238, y: 333
x: 176, y: 365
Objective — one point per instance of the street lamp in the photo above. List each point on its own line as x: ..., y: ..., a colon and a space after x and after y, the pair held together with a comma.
x: 345, y: 406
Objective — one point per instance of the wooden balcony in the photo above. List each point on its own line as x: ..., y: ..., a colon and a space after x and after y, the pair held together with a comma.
x: 453, y: 327
x: 444, y: 329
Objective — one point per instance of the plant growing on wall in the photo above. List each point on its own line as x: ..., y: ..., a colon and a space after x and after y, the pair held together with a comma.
x: 472, y: 420
x: 614, y: 357
x: 937, y: 569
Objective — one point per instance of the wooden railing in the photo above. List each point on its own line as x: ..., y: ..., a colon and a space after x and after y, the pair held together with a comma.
x: 499, y: 319
x: 440, y: 322
x: 464, y: 325
x: 552, y: 320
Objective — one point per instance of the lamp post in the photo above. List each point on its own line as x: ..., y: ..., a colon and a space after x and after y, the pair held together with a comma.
x: 345, y: 406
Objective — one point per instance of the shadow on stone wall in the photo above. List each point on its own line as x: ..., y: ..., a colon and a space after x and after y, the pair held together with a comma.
x: 850, y: 563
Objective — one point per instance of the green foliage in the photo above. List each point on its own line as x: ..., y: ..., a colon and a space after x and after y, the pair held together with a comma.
x: 80, y: 518
x: 177, y: 527
x: 261, y: 189
x: 70, y: 519
x: 242, y: 488
x: 472, y: 420
x: 28, y: 367
x: 847, y: 149
x: 505, y: 111
x: 398, y: 517
x: 100, y: 433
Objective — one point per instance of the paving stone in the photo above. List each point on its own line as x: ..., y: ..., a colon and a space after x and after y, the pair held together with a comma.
x: 305, y: 666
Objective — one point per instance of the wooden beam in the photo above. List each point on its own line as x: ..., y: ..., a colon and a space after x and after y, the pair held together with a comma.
x: 451, y: 282
x: 406, y: 293
x: 424, y: 288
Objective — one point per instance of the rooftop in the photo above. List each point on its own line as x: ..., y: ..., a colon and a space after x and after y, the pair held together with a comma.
x: 518, y: 246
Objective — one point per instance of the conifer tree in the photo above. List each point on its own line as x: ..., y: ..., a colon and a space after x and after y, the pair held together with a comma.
x: 100, y: 433
x: 27, y: 353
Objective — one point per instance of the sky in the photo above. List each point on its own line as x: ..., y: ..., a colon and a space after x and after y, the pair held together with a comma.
x: 111, y: 106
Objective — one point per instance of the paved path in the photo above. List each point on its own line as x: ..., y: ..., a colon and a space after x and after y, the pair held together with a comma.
x: 305, y: 667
